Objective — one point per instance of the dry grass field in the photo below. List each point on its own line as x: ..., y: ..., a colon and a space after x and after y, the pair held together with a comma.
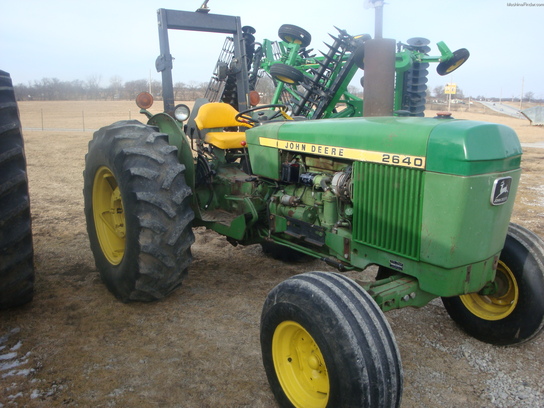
x: 75, y: 345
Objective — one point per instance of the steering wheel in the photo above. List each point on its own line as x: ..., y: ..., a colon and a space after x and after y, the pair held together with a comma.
x: 245, y: 117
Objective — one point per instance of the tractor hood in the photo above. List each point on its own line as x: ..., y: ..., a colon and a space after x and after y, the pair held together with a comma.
x: 448, y: 146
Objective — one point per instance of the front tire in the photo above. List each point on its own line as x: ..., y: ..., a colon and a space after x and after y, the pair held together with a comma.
x: 514, y: 313
x: 137, y: 207
x: 325, y: 343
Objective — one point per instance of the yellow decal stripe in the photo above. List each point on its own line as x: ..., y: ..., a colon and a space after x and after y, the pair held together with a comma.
x: 404, y: 160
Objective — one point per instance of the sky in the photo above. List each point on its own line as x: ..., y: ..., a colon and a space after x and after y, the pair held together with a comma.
x: 99, y: 39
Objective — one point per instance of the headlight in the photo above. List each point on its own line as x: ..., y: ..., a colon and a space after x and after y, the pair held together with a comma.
x: 181, y: 112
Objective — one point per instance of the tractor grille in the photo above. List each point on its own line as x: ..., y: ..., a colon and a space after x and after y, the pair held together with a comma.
x: 387, y: 207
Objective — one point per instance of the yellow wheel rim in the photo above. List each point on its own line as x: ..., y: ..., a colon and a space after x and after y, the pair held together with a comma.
x: 501, y: 303
x: 300, y: 366
x: 109, y: 216
x: 456, y: 65
x: 292, y: 40
x: 284, y: 79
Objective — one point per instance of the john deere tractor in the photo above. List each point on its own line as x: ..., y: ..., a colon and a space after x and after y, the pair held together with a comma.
x: 426, y: 200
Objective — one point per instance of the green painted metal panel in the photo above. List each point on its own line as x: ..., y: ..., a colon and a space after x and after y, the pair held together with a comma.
x: 449, y: 146
x: 177, y: 137
x: 387, y: 207
x: 433, y: 279
x: 382, y: 134
x: 460, y: 225
x: 468, y: 147
x: 265, y: 160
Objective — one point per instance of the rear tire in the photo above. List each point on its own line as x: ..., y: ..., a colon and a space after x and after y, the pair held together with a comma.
x: 137, y: 207
x: 16, y: 248
x: 325, y: 343
x: 515, y: 313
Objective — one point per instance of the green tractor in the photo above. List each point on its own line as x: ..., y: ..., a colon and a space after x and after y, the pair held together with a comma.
x: 427, y: 200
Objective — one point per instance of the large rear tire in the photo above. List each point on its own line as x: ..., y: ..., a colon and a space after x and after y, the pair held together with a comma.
x: 514, y: 312
x: 16, y: 248
x: 137, y: 207
x: 325, y: 343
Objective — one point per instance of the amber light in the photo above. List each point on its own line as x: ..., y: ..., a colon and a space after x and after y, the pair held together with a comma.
x: 254, y: 98
x: 144, y: 100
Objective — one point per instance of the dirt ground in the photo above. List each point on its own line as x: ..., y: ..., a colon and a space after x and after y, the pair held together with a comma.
x: 75, y: 345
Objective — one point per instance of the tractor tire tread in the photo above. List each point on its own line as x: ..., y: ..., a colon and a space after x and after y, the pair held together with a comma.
x: 16, y: 246
x: 364, y: 349
x: 156, y: 200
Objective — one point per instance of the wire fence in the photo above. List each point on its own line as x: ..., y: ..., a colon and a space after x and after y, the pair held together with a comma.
x: 76, y: 116
x: 87, y: 122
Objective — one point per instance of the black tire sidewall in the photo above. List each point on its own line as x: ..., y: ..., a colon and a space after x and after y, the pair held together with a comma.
x: 350, y: 376
x: 296, y: 32
x: 285, y: 311
x: 286, y: 71
x: 17, y: 272
x: 527, y: 317
x: 116, y: 277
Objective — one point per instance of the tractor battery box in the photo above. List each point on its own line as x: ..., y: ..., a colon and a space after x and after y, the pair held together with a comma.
x: 290, y: 172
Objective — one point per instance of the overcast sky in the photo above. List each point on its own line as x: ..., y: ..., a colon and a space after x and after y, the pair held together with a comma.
x: 69, y: 39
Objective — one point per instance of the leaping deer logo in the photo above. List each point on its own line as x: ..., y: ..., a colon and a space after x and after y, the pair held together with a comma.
x: 503, y: 190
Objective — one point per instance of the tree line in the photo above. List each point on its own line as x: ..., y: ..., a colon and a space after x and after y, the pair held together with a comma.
x: 53, y: 89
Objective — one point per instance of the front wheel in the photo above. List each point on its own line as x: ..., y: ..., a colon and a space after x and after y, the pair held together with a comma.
x: 325, y: 343
x: 137, y: 207
x: 511, y: 311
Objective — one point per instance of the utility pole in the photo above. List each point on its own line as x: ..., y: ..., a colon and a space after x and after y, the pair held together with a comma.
x: 378, y: 16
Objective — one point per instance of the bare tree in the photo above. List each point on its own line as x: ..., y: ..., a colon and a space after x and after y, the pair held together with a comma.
x: 93, y: 86
x: 133, y: 88
x: 438, y: 91
x: 265, y: 86
x: 179, y: 91
x: 115, y: 88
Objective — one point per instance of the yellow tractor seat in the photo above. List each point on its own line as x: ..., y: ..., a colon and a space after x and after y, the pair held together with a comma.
x: 217, y: 116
